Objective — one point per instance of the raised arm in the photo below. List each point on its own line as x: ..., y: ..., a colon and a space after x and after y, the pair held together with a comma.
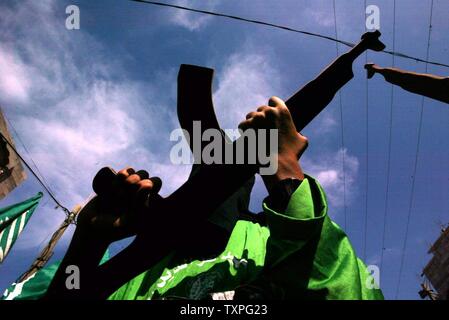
x: 101, y: 222
x: 429, y: 85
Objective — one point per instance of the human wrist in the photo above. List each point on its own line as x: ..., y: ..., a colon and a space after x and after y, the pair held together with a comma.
x: 280, y: 194
x: 88, y: 241
x: 85, y: 252
x: 288, y: 167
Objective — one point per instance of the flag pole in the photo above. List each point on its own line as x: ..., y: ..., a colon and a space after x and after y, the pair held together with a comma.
x: 48, y: 251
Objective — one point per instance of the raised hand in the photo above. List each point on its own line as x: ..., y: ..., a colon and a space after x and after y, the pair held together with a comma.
x: 117, y: 214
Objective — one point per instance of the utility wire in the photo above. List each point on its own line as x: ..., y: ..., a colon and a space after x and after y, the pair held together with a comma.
x: 390, y: 138
x: 366, y: 151
x: 26, y: 150
x: 41, y: 176
x: 67, y: 211
x: 418, y: 144
x: 342, y: 127
x: 317, y: 35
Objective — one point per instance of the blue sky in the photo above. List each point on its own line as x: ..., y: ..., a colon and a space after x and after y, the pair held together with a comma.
x: 106, y: 95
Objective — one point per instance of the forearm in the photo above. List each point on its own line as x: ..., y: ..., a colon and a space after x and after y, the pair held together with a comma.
x: 428, y: 85
x: 396, y: 72
x: 85, y: 253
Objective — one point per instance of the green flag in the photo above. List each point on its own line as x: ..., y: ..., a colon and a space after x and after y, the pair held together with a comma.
x: 12, y: 221
x: 36, y: 285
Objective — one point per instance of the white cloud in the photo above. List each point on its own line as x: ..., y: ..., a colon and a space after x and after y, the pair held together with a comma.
x: 191, y: 20
x: 324, y: 123
x: 95, y: 128
x: 246, y: 82
x: 78, y: 112
x: 318, y: 16
x: 328, y: 170
x: 14, y: 84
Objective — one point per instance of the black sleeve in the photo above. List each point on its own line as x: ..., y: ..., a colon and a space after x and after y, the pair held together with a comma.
x: 279, y: 196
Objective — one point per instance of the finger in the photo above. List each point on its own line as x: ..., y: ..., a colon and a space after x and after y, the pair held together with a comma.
x: 146, y: 184
x: 132, y: 180
x: 123, y: 174
x: 103, y: 181
x: 246, y: 124
x: 264, y: 108
x: 268, y: 112
x: 258, y: 121
x: 253, y: 118
x: 128, y: 187
x: 120, y: 183
x: 251, y: 115
x: 152, y: 185
x: 148, y: 188
x: 145, y: 189
x: 143, y: 174
x: 276, y: 102
x: 157, y: 184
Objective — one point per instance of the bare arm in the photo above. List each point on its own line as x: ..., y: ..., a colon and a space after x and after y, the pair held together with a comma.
x: 429, y: 85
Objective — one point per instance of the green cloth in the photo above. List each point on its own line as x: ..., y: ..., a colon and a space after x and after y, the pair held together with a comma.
x: 300, y: 254
x: 37, y: 284
x: 12, y: 221
x: 34, y: 287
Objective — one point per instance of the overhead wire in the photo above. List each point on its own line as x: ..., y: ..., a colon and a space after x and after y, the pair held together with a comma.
x: 418, y: 144
x: 268, y: 24
x: 390, y: 138
x: 343, y: 150
x: 58, y: 203
x: 365, y: 233
x: 27, y: 152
